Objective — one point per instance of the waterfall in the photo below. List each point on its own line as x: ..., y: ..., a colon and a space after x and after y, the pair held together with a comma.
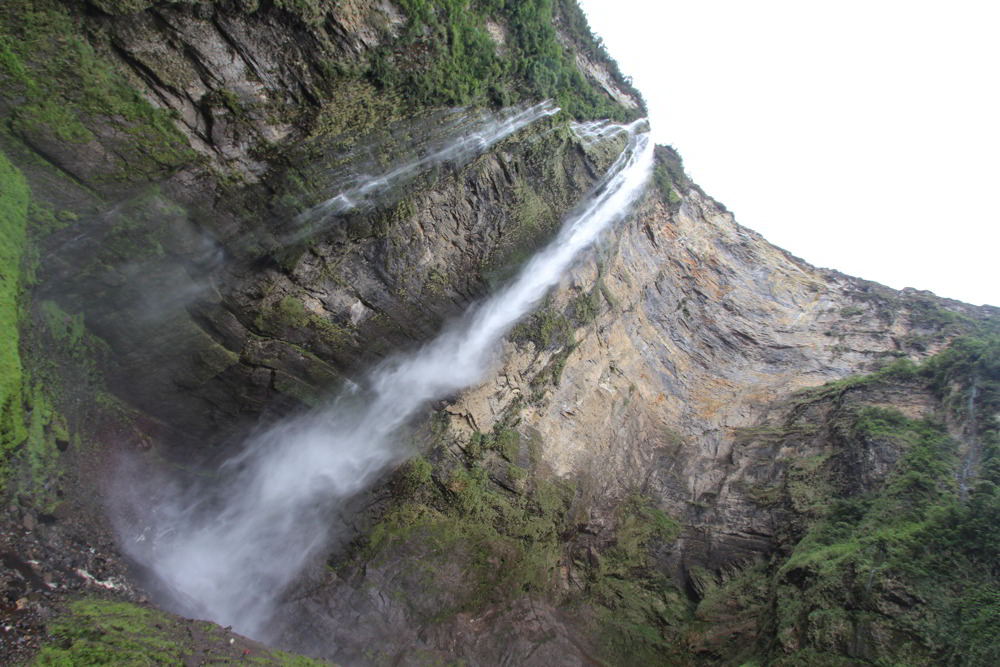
x: 229, y: 552
x: 593, y: 131
x: 462, y: 140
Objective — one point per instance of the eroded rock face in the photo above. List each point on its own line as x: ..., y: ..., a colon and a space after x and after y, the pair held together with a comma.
x: 705, y: 327
x: 684, y: 384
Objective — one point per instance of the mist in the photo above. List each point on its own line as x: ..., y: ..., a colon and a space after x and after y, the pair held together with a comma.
x: 228, y: 545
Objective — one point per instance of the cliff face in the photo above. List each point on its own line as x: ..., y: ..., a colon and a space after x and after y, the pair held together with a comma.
x: 699, y: 449
x: 176, y: 233
x: 659, y: 469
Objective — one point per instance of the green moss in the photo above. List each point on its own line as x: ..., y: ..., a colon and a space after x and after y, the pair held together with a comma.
x: 289, y: 314
x: 101, y: 632
x: 487, y: 531
x: 507, y: 442
x: 40, y: 448
x: 913, y: 536
x: 44, y: 220
x: 739, y: 604
x: 452, y: 515
x: 587, y: 305
x: 903, y: 572
x: 807, y: 484
x: 312, y: 12
x: 64, y: 90
x: 508, y: 545
x: 210, y: 357
x: 664, y: 183
x: 546, y: 328
x: 534, y: 221
x: 356, y: 109
x: 66, y: 329
x: 14, y: 198
x: 899, y: 370
x: 635, y: 602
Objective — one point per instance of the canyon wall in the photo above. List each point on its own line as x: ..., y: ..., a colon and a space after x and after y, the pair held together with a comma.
x: 698, y: 450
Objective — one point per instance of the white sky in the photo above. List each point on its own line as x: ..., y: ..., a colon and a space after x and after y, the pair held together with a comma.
x: 861, y: 136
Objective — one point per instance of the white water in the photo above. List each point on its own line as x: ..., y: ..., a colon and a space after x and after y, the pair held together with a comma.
x: 476, y: 135
x: 228, y: 554
x: 592, y: 131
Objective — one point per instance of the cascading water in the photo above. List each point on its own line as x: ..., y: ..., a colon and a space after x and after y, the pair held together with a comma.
x: 592, y: 131
x: 228, y: 553
x: 475, y: 135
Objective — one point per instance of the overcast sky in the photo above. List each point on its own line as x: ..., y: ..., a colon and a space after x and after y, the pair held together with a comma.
x: 861, y: 136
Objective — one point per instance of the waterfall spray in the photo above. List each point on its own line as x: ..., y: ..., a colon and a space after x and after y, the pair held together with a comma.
x: 230, y: 552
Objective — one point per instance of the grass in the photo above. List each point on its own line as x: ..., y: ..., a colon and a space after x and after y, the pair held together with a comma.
x: 96, y: 632
x: 100, y: 632
x: 14, y: 199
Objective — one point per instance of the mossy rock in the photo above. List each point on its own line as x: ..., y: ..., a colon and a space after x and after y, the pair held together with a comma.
x: 103, y: 632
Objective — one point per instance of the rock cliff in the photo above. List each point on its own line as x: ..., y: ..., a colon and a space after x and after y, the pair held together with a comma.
x: 698, y: 450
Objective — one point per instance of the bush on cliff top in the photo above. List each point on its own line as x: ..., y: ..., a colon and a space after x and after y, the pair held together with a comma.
x: 446, y: 56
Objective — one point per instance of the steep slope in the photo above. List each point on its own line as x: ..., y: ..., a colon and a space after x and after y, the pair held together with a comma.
x: 656, y: 472
x: 648, y: 476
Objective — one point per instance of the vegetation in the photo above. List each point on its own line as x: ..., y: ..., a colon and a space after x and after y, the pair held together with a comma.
x: 455, y: 516
x: 851, y: 311
x: 485, y: 528
x: 289, y: 314
x: 665, y: 184
x: 903, y: 573
x: 63, y: 91
x: 668, y: 174
x: 906, y: 572
x: 911, y: 538
x: 547, y: 70
x: 446, y: 56
x: 14, y: 198
x: 636, y: 603
x: 926, y: 314
x: 100, y: 632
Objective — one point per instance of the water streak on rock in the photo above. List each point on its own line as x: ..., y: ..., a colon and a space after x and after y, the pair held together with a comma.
x: 465, y: 138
